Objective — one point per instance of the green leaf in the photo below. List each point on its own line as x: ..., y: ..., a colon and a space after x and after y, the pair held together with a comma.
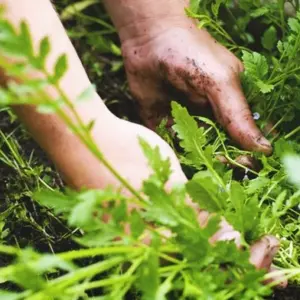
x: 49, y: 262
x: 194, y: 5
x: 161, y: 167
x: 137, y: 225
x: 162, y: 210
x: 292, y: 167
x: 47, y: 108
x: 257, y: 184
x: 82, y: 214
x: 255, y: 64
x: 237, y: 198
x: 204, y: 191
x: 244, y: 217
x: 191, y: 136
x: 60, y: 68
x: 148, y: 276
x: 54, y: 199
x: 5, y: 295
x: 88, y: 94
x: 104, y: 45
x: 99, y: 238
x: 89, y: 202
x: 278, y: 205
x: 264, y: 87
x: 269, y: 38
x: 44, y: 51
x: 26, y: 40
x: 294, y: 25
x: 75, y: 8
x: 259, y: 12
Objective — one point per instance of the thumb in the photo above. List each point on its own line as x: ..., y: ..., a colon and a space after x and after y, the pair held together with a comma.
x: 232, y: 111
x: 263, y: 252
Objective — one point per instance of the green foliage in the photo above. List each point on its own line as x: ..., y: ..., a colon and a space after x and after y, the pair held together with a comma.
x: 184, y: 265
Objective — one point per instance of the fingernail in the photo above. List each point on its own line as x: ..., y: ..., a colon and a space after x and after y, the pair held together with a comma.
x: 274, y: 250
x: 265, y: 144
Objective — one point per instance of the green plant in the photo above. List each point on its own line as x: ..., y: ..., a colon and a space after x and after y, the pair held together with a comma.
x: 186, y: 265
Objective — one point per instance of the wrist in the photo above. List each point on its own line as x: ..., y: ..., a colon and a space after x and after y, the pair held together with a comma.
x: 147, y: 29
x: 145, y: 18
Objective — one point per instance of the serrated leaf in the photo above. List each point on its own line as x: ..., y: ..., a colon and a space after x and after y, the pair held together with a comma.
x: 54, y: 199
x: 255, y: 64
x: 244, y: 217
x: 264, y: 87
x: 160, y: 166
x: 99, y: 238
x: 257, y: 184
x: 192, y: 138
x: 204, y: 191
x: 82, y: 214
x: 88, y: 202
x: 294, y: 25
x: 162, y: 210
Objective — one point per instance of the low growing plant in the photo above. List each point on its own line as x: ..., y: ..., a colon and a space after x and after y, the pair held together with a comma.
x: 186, y: 265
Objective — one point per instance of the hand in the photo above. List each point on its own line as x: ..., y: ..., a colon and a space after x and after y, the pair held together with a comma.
x: 262, y: 252
x: 118, y: 140
x: 120, y: 146
x: 190, y: 61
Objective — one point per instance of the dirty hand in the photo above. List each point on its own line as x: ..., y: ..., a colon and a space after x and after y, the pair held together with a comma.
x: 190, y: 61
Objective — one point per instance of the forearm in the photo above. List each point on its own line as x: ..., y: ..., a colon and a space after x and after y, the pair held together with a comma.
x: 135, y: 18
x: 50, y: 132
x: 43, y: 21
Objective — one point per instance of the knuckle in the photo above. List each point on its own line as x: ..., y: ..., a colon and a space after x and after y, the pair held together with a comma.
x: 225, y: 76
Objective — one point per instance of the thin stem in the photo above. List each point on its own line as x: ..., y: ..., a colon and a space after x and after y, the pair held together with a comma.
x: 76, y: 254
x: 293, y: 132
x: 99, y: 283
x: 64, y: 281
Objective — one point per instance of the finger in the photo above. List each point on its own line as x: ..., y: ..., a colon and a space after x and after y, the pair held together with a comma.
x: 232, y: 111
x: 226, y: 233
x: 279, y: 280
x: 263, y: 252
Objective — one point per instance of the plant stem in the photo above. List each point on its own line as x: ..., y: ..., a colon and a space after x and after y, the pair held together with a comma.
x: 287, y: 136
x: 99, y: 283
x: 75, y: 254
x: 63, y: 282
